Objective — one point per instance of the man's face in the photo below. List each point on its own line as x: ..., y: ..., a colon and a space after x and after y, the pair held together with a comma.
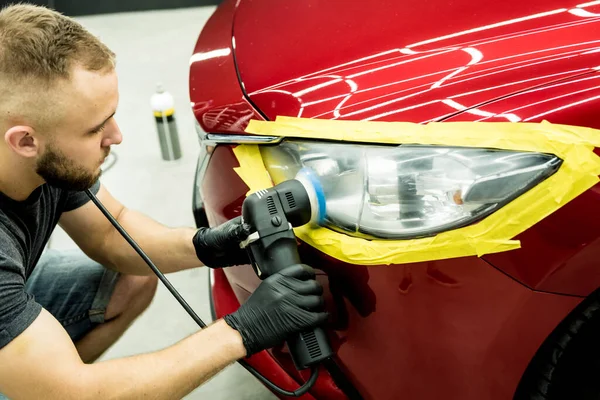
x: 74, y: 152
x: 59, y: 170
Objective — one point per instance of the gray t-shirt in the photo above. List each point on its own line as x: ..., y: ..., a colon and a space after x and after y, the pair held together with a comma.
x: 25, y: 227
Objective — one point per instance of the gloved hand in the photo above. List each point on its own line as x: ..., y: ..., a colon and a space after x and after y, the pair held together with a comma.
x: 219, y: 247
x: 285, y: 303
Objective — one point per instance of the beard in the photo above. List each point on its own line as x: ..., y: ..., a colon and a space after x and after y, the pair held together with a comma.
x: 61, y: 172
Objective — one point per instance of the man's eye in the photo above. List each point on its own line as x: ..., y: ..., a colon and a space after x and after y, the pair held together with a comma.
x: 99, y: 129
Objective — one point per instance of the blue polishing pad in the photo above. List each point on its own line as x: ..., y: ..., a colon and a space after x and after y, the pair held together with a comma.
x: 319, y: 192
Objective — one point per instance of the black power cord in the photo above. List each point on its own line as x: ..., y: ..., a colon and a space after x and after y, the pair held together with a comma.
x: 296, y: 393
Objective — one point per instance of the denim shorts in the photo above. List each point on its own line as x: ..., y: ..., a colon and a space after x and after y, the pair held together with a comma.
x: 73, y: 288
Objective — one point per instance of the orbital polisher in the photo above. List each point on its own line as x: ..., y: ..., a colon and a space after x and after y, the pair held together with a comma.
x: 272, y: 213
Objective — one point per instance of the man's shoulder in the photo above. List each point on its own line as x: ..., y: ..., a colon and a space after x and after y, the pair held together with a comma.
x: 9, y: 244
x: 6, y: 228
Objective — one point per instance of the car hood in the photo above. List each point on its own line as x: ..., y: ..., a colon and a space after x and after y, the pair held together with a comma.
x: 409, y: 61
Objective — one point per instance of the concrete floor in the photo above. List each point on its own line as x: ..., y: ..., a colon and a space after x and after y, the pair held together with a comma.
x: 151, y: 47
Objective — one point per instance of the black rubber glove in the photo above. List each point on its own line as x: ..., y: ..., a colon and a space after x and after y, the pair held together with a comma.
x: 285, y: 303
x: 219, y: 247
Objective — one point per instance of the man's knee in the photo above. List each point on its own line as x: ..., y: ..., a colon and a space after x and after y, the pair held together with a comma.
x: 132, y: 295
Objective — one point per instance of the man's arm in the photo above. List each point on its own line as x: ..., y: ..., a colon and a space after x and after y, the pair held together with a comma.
x: 171, y: 249
x: 42, y: 363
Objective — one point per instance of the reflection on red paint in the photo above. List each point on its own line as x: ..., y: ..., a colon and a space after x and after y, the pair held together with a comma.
x: 421, y: 81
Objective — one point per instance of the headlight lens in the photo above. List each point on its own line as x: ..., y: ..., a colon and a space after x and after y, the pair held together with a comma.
x: 409, y: 191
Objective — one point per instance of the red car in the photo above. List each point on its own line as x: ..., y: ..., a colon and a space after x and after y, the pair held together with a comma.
x: 521, y: 324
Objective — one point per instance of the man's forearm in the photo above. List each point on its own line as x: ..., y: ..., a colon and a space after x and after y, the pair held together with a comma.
x: 168, y: 374
x: 171, y: 249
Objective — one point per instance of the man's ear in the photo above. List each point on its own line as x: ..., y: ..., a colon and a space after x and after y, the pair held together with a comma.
x: 22, y: 140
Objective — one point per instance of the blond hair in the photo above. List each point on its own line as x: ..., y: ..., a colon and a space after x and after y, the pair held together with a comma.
x: 39, y: 48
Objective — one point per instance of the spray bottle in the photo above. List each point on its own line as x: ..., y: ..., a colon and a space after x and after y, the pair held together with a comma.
x: 163, y: 107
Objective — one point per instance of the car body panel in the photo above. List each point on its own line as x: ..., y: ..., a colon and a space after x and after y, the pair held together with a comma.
x: 426, y: 364
x: 560, y: 254
x: 413, y: 67
x: 454, y: 329
x: 217, y: 100
x: 570, y: 101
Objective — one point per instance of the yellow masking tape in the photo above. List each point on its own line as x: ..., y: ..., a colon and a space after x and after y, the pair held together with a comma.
x: 574, y: 145
x: 252, y: 169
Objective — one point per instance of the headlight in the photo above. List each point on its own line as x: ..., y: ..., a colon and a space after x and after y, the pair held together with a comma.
x: 409, y: 191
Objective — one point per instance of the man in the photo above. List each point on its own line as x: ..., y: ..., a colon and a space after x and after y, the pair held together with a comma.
x: 59, y: 96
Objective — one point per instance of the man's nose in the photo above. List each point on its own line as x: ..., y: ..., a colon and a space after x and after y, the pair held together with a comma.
x: 113, y: 134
